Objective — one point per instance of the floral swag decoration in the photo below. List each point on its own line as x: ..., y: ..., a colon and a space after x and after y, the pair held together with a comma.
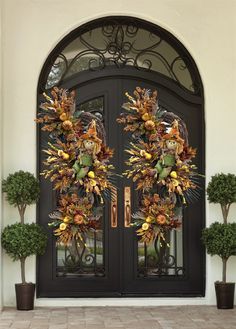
x: 160, y: 162
x: 78, y: 165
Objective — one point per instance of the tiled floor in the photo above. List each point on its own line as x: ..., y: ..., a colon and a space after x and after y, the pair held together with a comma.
x: 173, y: 317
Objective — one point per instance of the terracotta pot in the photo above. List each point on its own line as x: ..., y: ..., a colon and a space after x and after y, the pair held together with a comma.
x: 25, y: 296
x: 225, y: 295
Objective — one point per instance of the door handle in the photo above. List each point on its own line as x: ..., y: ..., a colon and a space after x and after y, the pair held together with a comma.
x: 127, y: 206
x: 114, y: 207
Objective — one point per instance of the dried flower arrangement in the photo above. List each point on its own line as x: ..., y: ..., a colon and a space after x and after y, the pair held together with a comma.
x: 77, y: 164
x: 160, y: 162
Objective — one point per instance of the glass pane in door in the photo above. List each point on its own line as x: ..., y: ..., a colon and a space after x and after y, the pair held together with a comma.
x: 79, y: 260
x: 94, y: 106
x: 161, y: 260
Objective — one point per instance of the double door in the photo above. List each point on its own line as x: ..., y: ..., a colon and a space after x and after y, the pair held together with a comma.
x: 115, y: 262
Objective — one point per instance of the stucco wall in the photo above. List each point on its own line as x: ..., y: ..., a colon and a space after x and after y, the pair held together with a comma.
x: 0, y: 152
x: 32, y: 28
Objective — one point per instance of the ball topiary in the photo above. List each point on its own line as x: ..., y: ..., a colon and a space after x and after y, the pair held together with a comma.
x: 222, y: 189
x: 22, y: 240
x: 220, y: 239
x: 21, y: 189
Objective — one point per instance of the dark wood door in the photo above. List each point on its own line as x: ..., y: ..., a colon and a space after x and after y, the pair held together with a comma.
x: 118, y: 264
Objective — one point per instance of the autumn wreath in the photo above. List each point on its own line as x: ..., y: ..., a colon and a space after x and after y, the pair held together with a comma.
x: 160, y: 162
x: 77, y: 163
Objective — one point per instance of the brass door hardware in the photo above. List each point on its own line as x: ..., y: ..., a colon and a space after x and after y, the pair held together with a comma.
x: 127, y: 206
x: 114, y: 208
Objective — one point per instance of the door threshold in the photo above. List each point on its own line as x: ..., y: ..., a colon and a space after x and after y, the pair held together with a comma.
x: 128, y: 301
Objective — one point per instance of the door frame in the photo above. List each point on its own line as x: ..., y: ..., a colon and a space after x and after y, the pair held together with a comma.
x: 151, y: 77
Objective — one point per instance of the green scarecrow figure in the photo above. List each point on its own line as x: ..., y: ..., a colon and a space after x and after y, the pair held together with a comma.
x: 90, y: 146
x: 172, y: 145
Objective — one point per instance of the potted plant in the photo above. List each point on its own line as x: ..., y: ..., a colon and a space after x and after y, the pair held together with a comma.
x: 220, y: 238
x: 21, y: 240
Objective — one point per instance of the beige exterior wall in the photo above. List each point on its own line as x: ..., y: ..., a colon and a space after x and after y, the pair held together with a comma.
x: 32, y: 28
x: 1, y: 117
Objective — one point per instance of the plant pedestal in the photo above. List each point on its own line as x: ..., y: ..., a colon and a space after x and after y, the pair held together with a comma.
x: 225, y: 295
x: 25, y: 296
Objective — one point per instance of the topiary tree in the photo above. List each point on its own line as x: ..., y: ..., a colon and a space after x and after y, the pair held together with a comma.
x: 222, y: 189
x: 220, y: 239
x: 22, y: 240
x: 22, y: 189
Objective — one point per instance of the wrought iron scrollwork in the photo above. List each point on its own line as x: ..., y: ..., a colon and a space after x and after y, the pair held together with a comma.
x: 160, y: 260
x: 79, y: 260
x: 122, y: 44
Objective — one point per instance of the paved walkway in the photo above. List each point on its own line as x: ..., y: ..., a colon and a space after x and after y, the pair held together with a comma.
x: 173, y: 317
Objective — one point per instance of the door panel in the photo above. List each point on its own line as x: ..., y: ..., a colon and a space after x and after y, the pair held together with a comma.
x: 97, y: 272
x: 182, y: 265
x: 118, y: 265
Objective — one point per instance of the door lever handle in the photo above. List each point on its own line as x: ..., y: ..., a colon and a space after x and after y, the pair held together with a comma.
x: 114, y: 208
x: 127, y: 206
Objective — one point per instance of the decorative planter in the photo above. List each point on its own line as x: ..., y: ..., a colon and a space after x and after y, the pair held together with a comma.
x: 25, y: 296
x: 224, y: 295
